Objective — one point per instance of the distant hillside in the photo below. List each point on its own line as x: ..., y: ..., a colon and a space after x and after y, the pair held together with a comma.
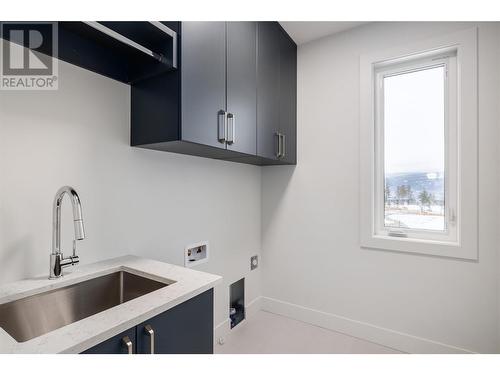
x: 432, y: 182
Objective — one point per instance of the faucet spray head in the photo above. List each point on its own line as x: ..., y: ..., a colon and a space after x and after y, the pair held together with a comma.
x: 79, y: 230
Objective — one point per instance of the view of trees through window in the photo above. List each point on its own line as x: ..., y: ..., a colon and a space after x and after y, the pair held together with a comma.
x: 414, y: 149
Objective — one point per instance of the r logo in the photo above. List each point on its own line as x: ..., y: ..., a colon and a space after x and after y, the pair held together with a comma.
x: 28, y: 53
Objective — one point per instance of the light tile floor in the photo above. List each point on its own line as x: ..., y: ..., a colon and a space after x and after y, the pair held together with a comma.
x: 266, y: 333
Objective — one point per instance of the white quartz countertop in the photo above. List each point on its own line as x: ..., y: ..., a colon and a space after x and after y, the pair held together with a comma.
x: 83, y: 334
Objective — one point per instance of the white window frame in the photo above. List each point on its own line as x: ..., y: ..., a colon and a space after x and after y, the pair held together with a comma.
x: 458, y: 54
x: 447, y: 60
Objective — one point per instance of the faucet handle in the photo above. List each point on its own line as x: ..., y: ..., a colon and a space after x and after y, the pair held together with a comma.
x: 58, y: 262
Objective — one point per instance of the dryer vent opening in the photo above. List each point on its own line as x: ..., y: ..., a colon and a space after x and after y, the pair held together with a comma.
x: 237, y: 302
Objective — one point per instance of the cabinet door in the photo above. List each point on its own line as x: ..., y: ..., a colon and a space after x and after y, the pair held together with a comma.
x: 242, y: 85
x: 184, y: 329
x: 288, y: 97
x: 268, y: 88
x: 203, y: 81
x: 116, y: 345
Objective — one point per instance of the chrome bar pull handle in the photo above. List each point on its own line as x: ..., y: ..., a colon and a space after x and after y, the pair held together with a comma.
x: 283, y: 148
x: 222, y: 126
x: 230, y: 128
x: 151, y: 334
x: 277, y: 136
x: 126, y: 341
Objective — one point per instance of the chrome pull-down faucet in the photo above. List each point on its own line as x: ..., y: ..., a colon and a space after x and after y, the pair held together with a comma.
x: 57, y: 260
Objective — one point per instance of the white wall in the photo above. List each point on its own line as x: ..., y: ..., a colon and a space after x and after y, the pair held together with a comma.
x: 135, y: 201
x: 310, y: 213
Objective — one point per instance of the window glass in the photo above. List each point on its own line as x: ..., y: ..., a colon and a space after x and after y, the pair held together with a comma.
x: 414, y: 149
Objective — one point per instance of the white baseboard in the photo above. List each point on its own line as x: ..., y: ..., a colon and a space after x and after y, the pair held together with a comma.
x: 223, y: 329
x: 383, y: 336
x: 253, y: 306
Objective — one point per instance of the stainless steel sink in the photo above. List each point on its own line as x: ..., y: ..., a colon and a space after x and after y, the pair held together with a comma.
x: 33, y: 316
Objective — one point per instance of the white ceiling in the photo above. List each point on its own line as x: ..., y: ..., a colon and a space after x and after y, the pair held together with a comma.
x: 303, y: 32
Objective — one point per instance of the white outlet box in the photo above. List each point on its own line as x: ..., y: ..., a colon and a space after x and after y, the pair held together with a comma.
x: 195, y: 254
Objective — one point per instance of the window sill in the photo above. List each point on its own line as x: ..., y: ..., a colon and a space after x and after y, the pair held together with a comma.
x: 446, y: 249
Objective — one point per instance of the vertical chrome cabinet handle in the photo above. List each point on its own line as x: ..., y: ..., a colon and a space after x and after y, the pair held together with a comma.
x: 277, y: 136
x: 283, y: 148
x: 222, y: 126
x: 234, y: 128
x: 230, y: 128
x: 151, y: 334
x: 126, y: 341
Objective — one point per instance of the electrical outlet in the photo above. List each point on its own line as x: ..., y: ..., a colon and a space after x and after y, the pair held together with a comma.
x: 254, y: 262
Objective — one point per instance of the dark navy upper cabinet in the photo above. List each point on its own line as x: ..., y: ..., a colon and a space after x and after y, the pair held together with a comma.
x: 207, y: 107
x: 242, y: 86
x: 226, y: 100
x: 203, y: 80
x: 268, y: 92
x: 288, y: 99
x: 184, y: 329
x: 276, y: 95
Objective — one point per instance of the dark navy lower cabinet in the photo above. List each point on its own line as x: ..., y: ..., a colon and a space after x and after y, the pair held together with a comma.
x: 184, y: 329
